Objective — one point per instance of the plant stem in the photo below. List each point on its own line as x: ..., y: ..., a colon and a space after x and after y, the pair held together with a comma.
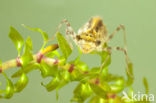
x: 9, y: 64
x: 40, y: 55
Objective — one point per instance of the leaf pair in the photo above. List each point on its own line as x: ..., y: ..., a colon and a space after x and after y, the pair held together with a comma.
x: 13, y: 88
x: 60, y: 80
x: 18, y: 42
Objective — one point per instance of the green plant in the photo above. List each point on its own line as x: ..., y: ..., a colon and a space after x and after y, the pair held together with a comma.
x: 94, y: 85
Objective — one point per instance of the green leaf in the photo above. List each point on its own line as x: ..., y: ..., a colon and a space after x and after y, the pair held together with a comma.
x: 44, y: 34
x: 146, y: 85
x: 26, y: 69
x: 77, y: 75
x: 100, y: 89
x: 117, y: 99
x: 21, y: 83
x: 59, y: 81
x: 117, y: 85
x: 62, y: 60
x: 96, y: 71
x: 80, y: 70
x: 64, y: 78
x: 97, y: 99
x: 81, y: 65
x: 116, y: 88
x: 83, y: 75
x: 16, y: 38
x: 52, y: 84
x: 9, y: 89
x: 47, y: 70
x: 63, y: 45
x: 29, y: 43
x: 104, y: 72
x: 27, y: 56
x: 82, y: 92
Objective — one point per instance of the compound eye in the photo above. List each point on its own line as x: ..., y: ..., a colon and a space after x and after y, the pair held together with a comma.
x: 98, y: 42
